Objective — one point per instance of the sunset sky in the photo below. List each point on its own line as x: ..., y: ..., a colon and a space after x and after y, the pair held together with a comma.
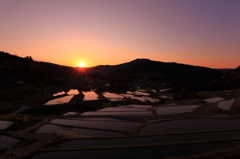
x: 109, y: 32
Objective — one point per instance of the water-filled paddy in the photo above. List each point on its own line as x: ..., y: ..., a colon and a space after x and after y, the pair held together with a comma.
x: 165, y: 97
x: 120, y: 109
x: 188, y: 125
x: 225, y: 105
x: 112, y: 95
x: 131, y: 113
x: 142, y: 99
x: 164, y: 110
x: 97, y: 119
x: 116, y: 99
x: 152, y: 100
x: 73, y: 92
x: 59, y: 93
x: 145, y: 152
x: 136, y: 106
x: 150, y: 139
x: 61, y: 100
x: 120, y: 126
x: 220, y: 116
x: 141, y: 93
x: 71, y: 132
x: 20, y: 110
x: 214, y: 100
x: 8, y: 142
x: 127, y: 95
x: 5, y: 124
x: 164, y: 90
x: 90, y: 96
x: 70, y: 113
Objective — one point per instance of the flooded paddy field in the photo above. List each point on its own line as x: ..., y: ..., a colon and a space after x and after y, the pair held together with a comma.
x: 225, y: 105
x: 142, y: 152
x: 5, y: 124
x: 175, y: 109
x: 61, y: 100
x: 214, y: 100
x: 72, y: 132
x: 90, y: 96
x: 188, y: 137
x: 8, y: 142
x: 65, y: 97
x: 189, y: 125
x: 127, y: 130
x: 111, y: 125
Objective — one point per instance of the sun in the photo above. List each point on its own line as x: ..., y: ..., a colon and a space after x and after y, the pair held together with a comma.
x: 81, y: 64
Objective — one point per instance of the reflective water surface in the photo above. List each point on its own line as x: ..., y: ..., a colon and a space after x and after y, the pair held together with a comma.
x: 5, y: 124
x: 98, y: 119
x: 61, y: 100
x: 131, y: 113
x: 70, y: 113
x: 150, y: 139
x: 90, y: 96
x: 71, y: 132
x: 111, y: 95
x: 8, y: 142
x: 225, y: 105
x: 164, y: 110
x: 73, y: 92
x: 119, y: 109
x: 140, y: 153
x: 120, y: 126
x: 136, y: 106
x: 188, y: 125
x: 59, y: 93
x: 214, y: 100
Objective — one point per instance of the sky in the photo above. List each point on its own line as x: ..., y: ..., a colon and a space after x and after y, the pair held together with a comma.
x: 109, y: 32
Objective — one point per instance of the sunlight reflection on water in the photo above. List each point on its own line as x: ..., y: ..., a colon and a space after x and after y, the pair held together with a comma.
x: 90, y: 96
x: 61, y: 100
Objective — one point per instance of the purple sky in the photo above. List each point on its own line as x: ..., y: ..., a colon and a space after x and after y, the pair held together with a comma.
x: 196, y: 32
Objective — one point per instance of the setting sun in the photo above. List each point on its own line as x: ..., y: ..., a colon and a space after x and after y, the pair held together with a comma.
x: 81, y: 64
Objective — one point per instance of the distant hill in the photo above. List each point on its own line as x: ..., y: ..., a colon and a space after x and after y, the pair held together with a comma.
x: 173, y: 71
x: 224, y: 70
x: 26, y: 69
x: 229, y: 80
x: 18, y: 68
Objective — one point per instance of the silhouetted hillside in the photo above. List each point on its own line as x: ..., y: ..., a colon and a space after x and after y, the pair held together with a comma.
x: 229, y: 80
x: 224, y: 70
x: 15, y: 68
x: 172, y: 71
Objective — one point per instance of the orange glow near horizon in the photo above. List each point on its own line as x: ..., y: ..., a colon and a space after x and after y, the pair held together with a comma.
x: 200, y: 33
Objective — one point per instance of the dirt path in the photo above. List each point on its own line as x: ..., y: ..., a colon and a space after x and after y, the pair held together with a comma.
x: 40, y: 140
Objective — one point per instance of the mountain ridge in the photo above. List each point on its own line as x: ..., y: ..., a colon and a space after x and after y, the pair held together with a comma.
x: 26, y: 69
x: 169, y: 69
